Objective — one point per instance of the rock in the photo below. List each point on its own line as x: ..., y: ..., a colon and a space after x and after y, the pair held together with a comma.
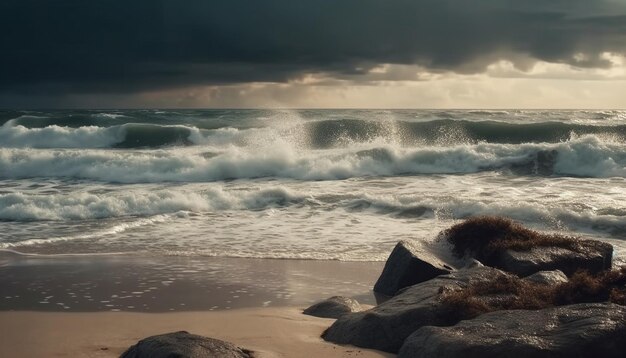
x: 333, y: 307
x: 583, y: 330
x: 386, y: 326
x: 592, y: 255
x: 548, y: 277
x: 473, y: 263
x: 408, y: 265
x: 183, y: 345
x: 505, y: 244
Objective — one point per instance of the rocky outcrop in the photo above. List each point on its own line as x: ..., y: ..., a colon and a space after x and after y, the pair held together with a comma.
x: 583, y: 330
x: 505, y: 244
x: 334, y: 307
x: 386, y: 326
x: 590, y: 255
x: 408, y: 265
x: 184, y: 345
x: 547, y: 277
x: 476, y: 311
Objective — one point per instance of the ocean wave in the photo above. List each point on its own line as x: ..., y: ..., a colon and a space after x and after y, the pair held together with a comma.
x: 115, y: 229
x: 457, y: 209
x: 558, y: 218
x: 149, y: 206
x: 333, y: 133
x: 130, y: 135
x: 83, y: 206
x: 213, y: 119
x: 112, y: 130
x: 586, y: 156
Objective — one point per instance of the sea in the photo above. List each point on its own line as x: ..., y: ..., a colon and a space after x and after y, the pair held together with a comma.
x: 300, y: 184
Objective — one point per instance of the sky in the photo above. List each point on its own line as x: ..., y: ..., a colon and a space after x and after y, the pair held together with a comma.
x: 313, y: 54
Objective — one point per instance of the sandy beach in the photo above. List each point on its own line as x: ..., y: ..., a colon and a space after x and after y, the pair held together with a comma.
x: 221, y: 167
x: 272, y: 332
x: 99, y: 305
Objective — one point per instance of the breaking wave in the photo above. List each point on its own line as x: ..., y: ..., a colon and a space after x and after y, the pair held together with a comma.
x: 82, y: 206
x: 116, y: 229
x: 162, y: 205
x: 329, y: 133
x: 586, y: 156
x: 111, y: 130
x: 123, y: 136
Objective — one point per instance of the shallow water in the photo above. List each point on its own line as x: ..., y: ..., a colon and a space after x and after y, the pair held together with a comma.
x: 87, y: 283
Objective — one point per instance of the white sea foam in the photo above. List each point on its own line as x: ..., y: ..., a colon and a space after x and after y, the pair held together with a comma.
x: 584, y: 156
x: 349, y: 220
x: 140, y: 202
x: 19, y: 136
x: 14, y: 135
x: 110, y: 115
x: 116, y: 229
x: 554, y: 216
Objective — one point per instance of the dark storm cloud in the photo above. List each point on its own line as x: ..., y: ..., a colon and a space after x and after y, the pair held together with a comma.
x: 71, y: 46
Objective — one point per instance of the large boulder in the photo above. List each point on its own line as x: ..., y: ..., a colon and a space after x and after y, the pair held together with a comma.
x: 334, y: 307
x: 183, y: 345
x: 590, y: 255
x: 508, y: 245
x: 583, y: 330
x: 386, y: 326
x: 408, y: 265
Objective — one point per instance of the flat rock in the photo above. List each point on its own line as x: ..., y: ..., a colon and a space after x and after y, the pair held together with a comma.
x: 183, y: 345
x: 548, y: 277
x: 583, y: 330
x: 386, y: 326
x: 592, y: 255
x: 333, y: 307
x: 408, y: 265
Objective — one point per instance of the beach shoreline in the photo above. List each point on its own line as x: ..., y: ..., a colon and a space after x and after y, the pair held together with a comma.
x: 144, y: 283
x: 99, y: 305
x: 269, y: 332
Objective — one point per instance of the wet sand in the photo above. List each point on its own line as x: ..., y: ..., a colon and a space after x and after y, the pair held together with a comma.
x: 171, y: 283
x: 97, y: 306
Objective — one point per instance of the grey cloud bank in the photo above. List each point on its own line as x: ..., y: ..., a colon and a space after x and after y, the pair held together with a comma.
x: 117, y: 47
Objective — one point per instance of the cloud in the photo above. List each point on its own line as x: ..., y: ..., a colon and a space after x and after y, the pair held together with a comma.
x: 130, y: 46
